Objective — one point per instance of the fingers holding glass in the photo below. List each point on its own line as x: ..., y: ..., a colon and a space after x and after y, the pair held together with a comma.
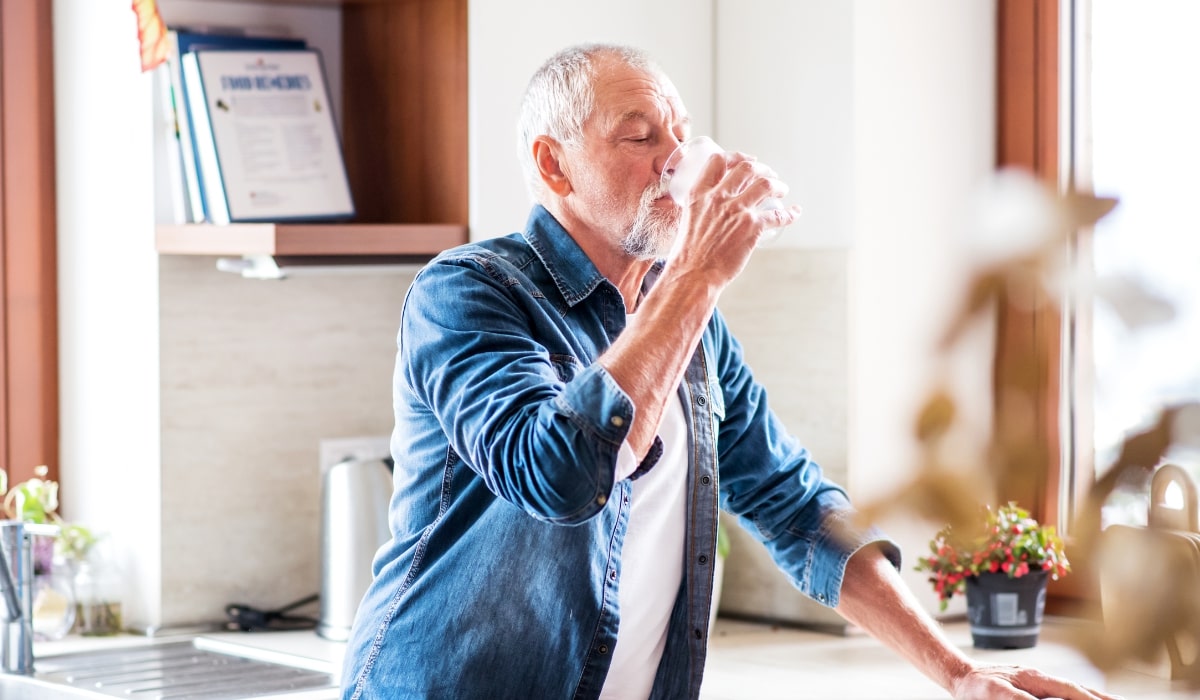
x: 744, y: 177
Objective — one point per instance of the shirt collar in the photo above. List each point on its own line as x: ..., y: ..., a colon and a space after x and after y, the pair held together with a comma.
x: 570, y: 268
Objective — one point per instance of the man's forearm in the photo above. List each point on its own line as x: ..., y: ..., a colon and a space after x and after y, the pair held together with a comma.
x: 649, y: 358
x: 875, y: 598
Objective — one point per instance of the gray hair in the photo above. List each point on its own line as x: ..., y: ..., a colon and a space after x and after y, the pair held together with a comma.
x: 560, y: 98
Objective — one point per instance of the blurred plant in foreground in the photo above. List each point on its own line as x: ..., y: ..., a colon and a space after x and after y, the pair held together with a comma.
x: 1020, y: 234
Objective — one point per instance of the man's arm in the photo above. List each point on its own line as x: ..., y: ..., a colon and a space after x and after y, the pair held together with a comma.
x: 648, y: 359
x: 875, y: 598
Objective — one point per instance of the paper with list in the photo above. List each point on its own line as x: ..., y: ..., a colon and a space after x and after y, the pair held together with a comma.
x: 267, y: 142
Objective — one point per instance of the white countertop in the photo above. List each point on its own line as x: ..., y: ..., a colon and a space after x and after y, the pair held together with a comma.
x: 744, y: 661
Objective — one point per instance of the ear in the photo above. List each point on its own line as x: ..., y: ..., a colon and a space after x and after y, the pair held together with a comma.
x: 547, y: 154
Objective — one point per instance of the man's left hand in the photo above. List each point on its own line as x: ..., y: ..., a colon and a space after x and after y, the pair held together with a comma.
x: 1018, y: 683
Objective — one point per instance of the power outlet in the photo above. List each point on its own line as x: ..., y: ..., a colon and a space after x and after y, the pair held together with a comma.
x: 334, y: 450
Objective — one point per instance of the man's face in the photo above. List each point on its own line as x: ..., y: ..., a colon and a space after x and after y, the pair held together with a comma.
x: 637, y: 120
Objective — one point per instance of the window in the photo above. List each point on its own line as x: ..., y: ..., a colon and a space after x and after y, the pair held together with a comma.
x: 1136, y: 115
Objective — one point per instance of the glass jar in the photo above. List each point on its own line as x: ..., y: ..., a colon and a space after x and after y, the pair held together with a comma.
x: 53, y: 613
x: 97, y: 597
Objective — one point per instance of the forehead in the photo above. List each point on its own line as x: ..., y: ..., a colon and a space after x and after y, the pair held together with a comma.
x: 622, y: 92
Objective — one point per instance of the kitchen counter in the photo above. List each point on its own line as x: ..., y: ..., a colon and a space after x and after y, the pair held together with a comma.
x: 764, y: 662
x: 300, y: 648
x: 746, y: 660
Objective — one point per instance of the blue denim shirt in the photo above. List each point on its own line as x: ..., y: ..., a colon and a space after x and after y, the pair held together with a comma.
x: 501, y: 578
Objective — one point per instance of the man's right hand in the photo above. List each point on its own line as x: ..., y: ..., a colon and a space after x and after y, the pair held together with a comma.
x: 723, y: 219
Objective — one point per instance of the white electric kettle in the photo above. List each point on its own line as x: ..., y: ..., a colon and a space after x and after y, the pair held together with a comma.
x: 354, y: 525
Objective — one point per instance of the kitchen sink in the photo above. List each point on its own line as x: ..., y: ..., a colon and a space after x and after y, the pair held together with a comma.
x: 27, y: 688
x: 169, y: 671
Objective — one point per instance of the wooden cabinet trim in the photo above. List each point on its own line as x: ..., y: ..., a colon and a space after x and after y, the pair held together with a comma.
x: 29, y: 426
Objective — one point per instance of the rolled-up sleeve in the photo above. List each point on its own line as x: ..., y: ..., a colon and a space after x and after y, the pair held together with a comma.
x: 814, y: 548
x: 541, y: 429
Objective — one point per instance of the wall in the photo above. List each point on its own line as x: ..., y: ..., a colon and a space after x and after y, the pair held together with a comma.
x: 886, y: 117
x: 785, y: 87
x: 254, y: 374
x: 924, y: 125
x: 107, y: 293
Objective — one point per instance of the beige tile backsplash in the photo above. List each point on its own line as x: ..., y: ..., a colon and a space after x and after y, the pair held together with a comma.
x: 255, y: 373
x: 790, y: 311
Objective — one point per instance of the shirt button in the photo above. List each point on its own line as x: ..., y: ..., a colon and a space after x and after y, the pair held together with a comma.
x: 700, y: 400
x: 703, y: 558
x: 613, y: 574
x: 601, y: 500
x: 603, y: 649
x: 699, y: 634
x: 705, y: 480
x: 617, y: 421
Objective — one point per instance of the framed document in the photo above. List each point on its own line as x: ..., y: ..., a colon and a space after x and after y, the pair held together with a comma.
x: 266, y: 142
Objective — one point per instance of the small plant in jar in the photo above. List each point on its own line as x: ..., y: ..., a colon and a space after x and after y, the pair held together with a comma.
x: 66, y: 563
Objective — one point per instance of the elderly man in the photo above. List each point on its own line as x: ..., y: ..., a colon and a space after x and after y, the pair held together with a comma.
x: 570, y: 411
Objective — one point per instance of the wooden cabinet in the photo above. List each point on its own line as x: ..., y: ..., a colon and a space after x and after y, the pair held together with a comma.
x: 404, y: 135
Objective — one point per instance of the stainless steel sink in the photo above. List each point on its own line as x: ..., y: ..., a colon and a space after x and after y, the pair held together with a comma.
x: 171, y: 671
x: 27, y: 688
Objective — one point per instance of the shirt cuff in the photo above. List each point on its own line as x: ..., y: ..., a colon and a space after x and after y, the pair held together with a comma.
x: 627, y: 461
x: 837, y: 540
x: 628, y: 465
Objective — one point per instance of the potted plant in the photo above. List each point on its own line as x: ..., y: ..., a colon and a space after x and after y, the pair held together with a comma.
x: 56, y: 560
x: 1002, y: 567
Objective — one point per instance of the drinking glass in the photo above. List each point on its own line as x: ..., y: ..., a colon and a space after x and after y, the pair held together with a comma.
x: 682, y: 170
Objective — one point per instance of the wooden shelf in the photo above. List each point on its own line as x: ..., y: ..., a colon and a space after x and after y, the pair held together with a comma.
x: 319, y: 3
x: 330, y: 240
x: 405, y: 111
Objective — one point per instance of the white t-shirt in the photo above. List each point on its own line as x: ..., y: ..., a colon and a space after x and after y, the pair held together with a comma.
x: 651, y: 560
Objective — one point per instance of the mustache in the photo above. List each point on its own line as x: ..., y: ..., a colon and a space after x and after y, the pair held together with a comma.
x: 652, y: 193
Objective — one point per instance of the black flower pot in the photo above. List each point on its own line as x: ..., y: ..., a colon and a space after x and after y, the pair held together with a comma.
x: 1006, y: 613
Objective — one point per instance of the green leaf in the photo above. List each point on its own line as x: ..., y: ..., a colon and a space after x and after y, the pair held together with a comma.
x: 722, y: 541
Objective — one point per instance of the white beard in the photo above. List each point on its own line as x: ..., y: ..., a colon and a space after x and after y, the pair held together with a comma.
x: 653, y: 230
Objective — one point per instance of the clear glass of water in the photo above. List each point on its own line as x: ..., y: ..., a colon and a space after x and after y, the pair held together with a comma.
x: 682, y: 170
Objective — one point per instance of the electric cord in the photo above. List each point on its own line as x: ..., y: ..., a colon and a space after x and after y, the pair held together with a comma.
x: 246, y: 618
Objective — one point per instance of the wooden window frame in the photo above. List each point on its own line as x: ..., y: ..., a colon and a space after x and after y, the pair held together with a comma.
x: 29, y: 427
x: 1029, y: 136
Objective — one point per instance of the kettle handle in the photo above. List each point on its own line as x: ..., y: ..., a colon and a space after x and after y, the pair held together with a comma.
x: 1165, y: 517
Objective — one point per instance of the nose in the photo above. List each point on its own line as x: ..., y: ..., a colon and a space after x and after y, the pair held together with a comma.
x: 669, y: 147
